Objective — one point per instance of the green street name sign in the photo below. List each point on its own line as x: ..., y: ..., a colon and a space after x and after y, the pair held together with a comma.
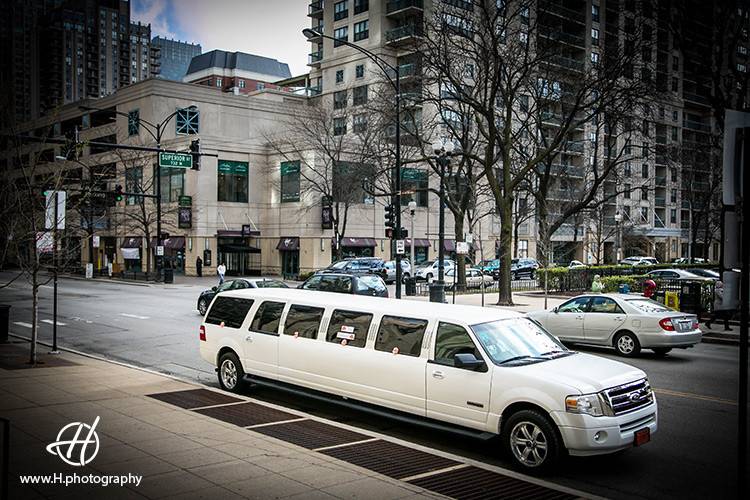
x: 175, y: 160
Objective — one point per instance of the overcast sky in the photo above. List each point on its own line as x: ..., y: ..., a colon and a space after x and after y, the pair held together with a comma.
x: 271, y: 28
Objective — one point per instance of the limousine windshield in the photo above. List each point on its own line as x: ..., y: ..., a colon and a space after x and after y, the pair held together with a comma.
x: 518, y: 340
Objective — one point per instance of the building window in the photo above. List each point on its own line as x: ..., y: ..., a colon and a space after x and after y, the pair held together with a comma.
x: 290, y: 181
x: 675, y: 84
x: 218, y: 82
x: 523, y: 249
x: 675, y: 63
x: 524, y: 13
x: 644, y: 214
x: 359, y: 95
x: 339, y: 99
x: 361, y: 6
x: 594, y: 37
x: 187, y: 121
x: 172, y: 184
x: 359, y: 124
x: 673, y: 173
x: 339, y: 126
x: 644, y: 128
x: 413, y: 179
x: 595, y: 13
x: 359, y: 71
x: 133, y: 184
x: 644, y: 193
x: 741, y: 49
x: 134, y: 122
x: 741, y: 68
x: 260, y: 85
x: 674, y: 116
x: 644, y: 171
x: 340, y: 10
x: 627, y: 172
x: 626, y: 194
x: 242, y: 84
x: 673, y: 196
x: 674, y: 133
x: 232, y: 181
x: 361, y: 30
x: 339, y: 76
x: 341, y: 35
x: 673, y: 216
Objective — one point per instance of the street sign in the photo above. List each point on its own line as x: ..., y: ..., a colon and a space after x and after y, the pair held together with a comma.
x: 160, y: 250
x: 60, y: 200
x: 95, y: 241
x: 400, y: 247
x: 175, y: 160
x: 185, y: 201
x: 462, y: 247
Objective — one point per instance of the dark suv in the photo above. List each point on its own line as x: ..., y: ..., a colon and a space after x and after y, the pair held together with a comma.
x: 357, y: 266
x: 362, y: 284
x: 523, y: 267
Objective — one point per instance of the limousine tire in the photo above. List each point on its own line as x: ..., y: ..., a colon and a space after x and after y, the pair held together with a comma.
x: 626, y: 344
x: 531, y: 440
x: 231, y: 374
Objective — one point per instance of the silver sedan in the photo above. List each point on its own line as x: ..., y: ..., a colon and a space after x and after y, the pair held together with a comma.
x: 626, y: 322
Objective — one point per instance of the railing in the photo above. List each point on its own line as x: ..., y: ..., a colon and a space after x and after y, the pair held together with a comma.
x: 693, y: 125
x: 561, y: 36
x: 315, y: 90
x: 661, y: 180
x: 407, y: 30
x: 521, y: 285
x: 689, y: 96
x: 565, y: 12
x: 315, y: 7
x: 315, y: 57
x: 397, y: 5
x: 574, y: 146
x: 410, y: 69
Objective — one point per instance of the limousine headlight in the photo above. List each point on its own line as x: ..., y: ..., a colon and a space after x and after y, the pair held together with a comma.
x: 587, y: 404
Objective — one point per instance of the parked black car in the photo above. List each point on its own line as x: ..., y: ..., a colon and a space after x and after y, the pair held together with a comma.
x: 207, y: 296
x: 357, y: 284
x: 357, y: 266
x: 523, y: 267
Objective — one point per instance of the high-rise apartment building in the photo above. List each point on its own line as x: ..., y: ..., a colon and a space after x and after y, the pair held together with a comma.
x: 175, y: 57
x: 673, y: 172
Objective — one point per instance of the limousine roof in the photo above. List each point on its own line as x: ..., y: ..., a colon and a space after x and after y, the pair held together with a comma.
x: 410, y: 308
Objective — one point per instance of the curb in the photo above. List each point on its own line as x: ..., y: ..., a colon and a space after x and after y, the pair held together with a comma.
x: 108, y: 280
x: 720, y: 340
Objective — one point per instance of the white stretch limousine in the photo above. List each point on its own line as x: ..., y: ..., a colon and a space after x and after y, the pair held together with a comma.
x: 487, y: 369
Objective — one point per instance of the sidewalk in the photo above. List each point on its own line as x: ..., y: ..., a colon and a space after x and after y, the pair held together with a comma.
x: 187, y: 441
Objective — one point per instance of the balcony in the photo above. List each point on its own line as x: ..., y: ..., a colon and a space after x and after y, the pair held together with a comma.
x: 660, y: 201
x: 314, y: 90
x: 695, y: 98
x: 694, y: 125
x: 315, y: 58
x: 561, y: 36
x: 564, y: 12
x: 397, y: 8
x: 403, y: 34
x: 409, y: 70
x: 574, y: 147
x: 567, y: 62
x: 661, y: 181
x: 315, y: 9
x: 318, y: 32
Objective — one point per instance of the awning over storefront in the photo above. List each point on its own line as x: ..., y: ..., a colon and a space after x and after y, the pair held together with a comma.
x: 238, y: 249
x: 288, y: 244
x: 131, y: 253
x: 418, y: 243
x: 356, y: 242
x: 173, y: 243
x: 131, y: 242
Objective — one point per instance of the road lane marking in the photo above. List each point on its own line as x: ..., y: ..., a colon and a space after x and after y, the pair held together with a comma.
x: 25, y: 325
x: 690, y: 395
x: 49, y: 321
x: 133, y: 316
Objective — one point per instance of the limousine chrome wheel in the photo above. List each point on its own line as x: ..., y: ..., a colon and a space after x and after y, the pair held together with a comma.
x: 230, y: 372
x: 531, y: 439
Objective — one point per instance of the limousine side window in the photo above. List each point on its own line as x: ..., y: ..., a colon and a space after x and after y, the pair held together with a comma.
x: 451, y: 340
x: 351, y: 326
x: 229, y: 310
x: 267, y: 318
x: 404, y: 334
x: 303, y: 321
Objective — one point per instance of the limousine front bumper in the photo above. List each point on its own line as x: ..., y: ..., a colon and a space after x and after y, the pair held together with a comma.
x: 587, y: 435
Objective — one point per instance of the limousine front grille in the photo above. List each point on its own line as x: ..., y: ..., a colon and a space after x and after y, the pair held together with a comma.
x: 629, y: 397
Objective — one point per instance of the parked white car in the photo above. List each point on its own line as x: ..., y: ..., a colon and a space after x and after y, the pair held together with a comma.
x: 390, y: 270
x: 676, y: 274
x: 639, y: 261
x: 629, y: 323
x: 474, y: 278
x: 487, y: 369
x: 429, y: 270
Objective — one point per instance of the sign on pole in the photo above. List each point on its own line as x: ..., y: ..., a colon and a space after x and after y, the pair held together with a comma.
x: 49, y: 209
x: 175, y: 160
x: 160, y: 250
x: 462, y: 247
x: 95, y: 242
x: 400, y: 247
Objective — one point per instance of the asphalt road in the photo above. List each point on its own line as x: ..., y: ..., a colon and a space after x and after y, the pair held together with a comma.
x: 692, y: 455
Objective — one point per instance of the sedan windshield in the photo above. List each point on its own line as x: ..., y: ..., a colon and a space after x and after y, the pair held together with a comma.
x: 649, y: 306
x: 340, y: 264
x: 517, y: 340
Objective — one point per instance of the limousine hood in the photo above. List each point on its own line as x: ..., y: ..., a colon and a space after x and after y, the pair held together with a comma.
x: 584, y: 372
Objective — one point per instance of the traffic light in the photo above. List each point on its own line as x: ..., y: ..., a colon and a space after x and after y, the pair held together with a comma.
x: 118, y: 193
x: 195, y: 150
x: 390, y: 216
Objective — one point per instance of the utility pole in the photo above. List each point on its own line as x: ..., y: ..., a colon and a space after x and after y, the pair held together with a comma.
x: 55, y: 263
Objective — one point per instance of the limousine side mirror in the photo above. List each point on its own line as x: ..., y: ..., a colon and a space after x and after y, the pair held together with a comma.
x: 213, y: 288
x: 467, y: 360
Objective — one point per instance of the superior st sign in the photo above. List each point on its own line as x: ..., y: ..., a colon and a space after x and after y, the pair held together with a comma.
x: 175, y: 160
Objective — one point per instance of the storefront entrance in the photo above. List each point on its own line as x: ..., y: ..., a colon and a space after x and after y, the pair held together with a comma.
x: 288, y: 247
x: 240, y: 258
x: 174, y: 253
x: 356, y: 247
x: 131, y: 253
x: 420, y: 250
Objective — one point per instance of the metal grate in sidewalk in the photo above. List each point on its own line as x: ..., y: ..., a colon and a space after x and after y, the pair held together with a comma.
x: 194, y: 398
x: 390, y: 459
x: 246, y: 414
x: 473, y: 483
x: 311, y: 434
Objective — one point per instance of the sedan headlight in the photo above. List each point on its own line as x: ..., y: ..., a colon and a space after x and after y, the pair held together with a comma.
x: 587, y: 404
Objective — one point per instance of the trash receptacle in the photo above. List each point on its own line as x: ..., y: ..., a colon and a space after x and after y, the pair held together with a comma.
x: 437, y: 292
x: 411, y: 287
x: 4, y: 323
x: 623, y: 288
x: 690, y: 298
x: 660, y: 296
x: 168, y: 275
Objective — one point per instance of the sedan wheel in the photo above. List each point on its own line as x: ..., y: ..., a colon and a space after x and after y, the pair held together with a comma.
x: 626, y: 344
x: 202, y: 306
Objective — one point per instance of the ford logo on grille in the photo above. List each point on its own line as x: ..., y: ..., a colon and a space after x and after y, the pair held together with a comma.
x: 634, y: 396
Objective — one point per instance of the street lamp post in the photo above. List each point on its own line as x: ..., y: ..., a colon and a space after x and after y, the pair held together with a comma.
x: 412, y: 212
x: 155, y: 131
x: 443, y: 151
x: 385, y: 67
x: 618, y: 243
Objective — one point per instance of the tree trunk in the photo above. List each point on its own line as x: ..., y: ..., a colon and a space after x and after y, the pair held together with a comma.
x: 458, y: 231
x: 505, y: 295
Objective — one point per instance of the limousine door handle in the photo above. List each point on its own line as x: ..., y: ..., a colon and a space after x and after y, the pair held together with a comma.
x: 438, y: 374
x: 249, y: 338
